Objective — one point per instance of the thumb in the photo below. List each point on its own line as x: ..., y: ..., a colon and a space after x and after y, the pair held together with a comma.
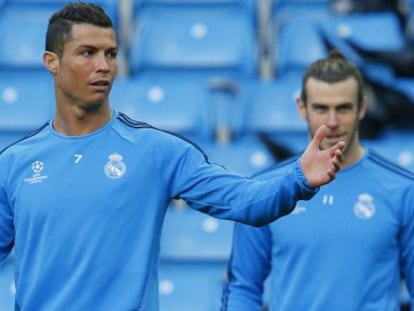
x: 318, y: 137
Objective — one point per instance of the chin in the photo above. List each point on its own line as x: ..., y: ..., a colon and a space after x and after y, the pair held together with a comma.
x: 94, y: 105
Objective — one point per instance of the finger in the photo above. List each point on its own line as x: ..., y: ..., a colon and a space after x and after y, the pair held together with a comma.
x: 341, y: 145
x: 333, y: 170
x: 336, y: 150
x: 318, y: 137
x: 337, y: 165
x: 331, y: 174
x: 339, y: 155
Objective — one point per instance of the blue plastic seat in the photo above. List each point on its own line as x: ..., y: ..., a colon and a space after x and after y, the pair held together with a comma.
x: 191, y: 235
x: 405, y: 85
x: 273, y: 106
x: 245, y: 155
x: 371, y: 32
x: 22, y: 35
x: 298, y: 43
x: 26, y: 100
x: 282, y: 9
x: 187, y: 286
x: 111, y: 7
x: 176, y: 105
x: 247, y: 7
x: 209, y: 40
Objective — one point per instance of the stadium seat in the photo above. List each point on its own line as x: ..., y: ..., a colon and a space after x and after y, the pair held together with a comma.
x: 298, y: 42
x: 111, y: 7
x: 191, y: 235
x: 245, y: 155
x: 26, y: 100
x: 405, y: 85
x: 247, y: 7
x: 22, y: 35
x: 195, y: 248
x: 370, y: 32
x: 272, y: 106
x: 178, y: 105
x: 286, y: 9
x: 272, y: 114
x: 189, y: 286
x: 195, y: 39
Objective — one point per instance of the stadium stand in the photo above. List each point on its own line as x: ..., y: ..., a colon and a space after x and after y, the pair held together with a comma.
x: 179, y: 106
x: 26, y: 100
x: 110, y: 6
x: 289, y: 54
x: 198, y: 39
x: 194, y: 251
x: 191, y: 285
x: 351, y: 32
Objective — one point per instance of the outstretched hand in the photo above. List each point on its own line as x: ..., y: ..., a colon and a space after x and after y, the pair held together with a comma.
x: 321, y: 166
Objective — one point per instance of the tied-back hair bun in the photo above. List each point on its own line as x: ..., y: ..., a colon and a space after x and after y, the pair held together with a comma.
x: 336, y: 55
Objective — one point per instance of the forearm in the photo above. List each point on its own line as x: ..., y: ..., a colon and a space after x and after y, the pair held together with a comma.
x: 251, y: 201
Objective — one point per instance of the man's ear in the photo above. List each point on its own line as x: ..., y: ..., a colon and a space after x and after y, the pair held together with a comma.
x: 51, y: 61
x: 301, y: 107
x: 363, y: 108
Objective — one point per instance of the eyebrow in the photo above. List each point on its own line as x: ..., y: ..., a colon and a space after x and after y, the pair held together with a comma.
x: 344, y: 104
x: 87, y: 46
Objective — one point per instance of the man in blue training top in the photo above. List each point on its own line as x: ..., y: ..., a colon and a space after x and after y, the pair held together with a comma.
x: 346, y: 248
x: 83, y: 198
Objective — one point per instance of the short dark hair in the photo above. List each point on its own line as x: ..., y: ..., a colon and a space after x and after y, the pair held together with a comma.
x: 61, y: 22
x: 334, y: 68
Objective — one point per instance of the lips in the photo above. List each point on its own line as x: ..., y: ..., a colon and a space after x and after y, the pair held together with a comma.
x: 100, y: 82
x: 100, y: 85
x: 333, y: 139
x: 334, y: 136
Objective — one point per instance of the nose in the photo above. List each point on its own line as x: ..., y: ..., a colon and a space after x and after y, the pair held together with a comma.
x: 332, y: 119
x: 102, y: 63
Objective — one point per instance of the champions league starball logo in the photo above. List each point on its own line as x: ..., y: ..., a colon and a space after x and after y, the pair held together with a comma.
x: 37, y: 176
x: 115, y: 168
x: 365, y: 207
x: 37, y: 167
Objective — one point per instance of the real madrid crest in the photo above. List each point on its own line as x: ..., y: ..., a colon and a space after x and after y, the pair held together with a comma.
x: 365, y: 207
x: 115, y: 168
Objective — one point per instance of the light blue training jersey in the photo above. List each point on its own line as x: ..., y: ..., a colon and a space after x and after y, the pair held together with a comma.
x: 84, y: 214
x: 344, y: 250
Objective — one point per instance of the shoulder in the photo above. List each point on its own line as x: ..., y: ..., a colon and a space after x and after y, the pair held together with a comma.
x: 388, y: 169
x: 24, y: 143
x: 151, y: 135
x: 385, y: 174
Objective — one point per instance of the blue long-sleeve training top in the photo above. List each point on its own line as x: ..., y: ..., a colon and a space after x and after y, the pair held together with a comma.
x: 84, y: 214
x: 346, y: 249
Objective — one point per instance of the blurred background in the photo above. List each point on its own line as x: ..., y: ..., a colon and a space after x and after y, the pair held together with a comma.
x: 225, y: 74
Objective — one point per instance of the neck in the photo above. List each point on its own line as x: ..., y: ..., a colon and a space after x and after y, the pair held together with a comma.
x: 79, y: 121
x: 353, y: 154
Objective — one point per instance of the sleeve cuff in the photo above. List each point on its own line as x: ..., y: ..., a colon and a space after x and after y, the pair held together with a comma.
x: 307, y: 190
